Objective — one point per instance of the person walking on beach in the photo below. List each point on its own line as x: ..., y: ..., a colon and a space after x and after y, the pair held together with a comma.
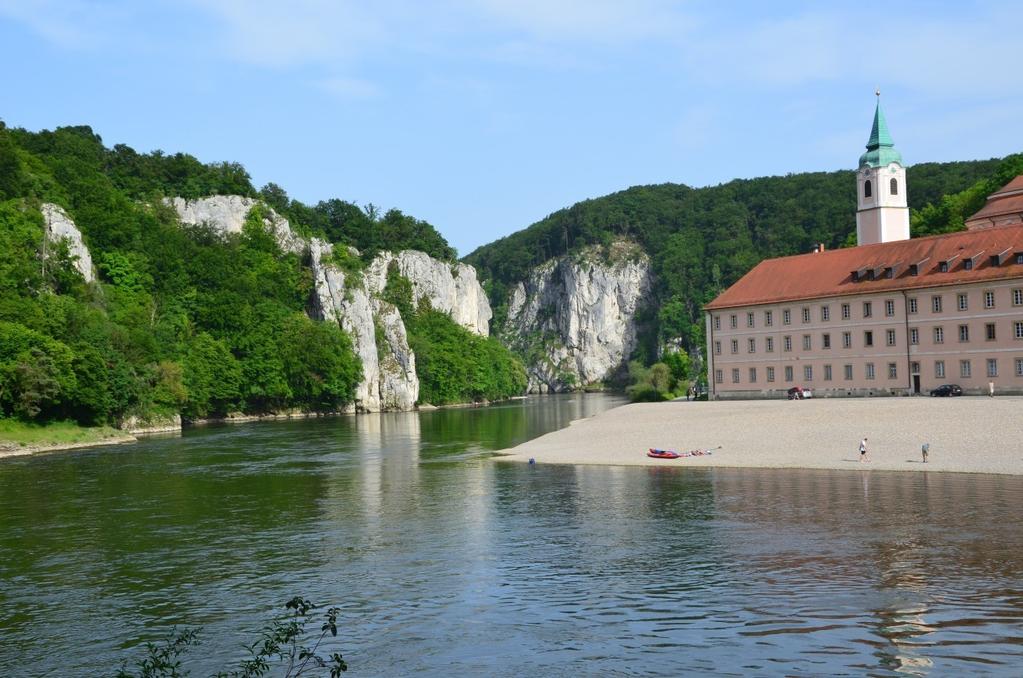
x: 863, y: 450
x: 924, y: 449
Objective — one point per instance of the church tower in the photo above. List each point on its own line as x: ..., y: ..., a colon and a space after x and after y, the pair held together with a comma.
x: 881, y: 211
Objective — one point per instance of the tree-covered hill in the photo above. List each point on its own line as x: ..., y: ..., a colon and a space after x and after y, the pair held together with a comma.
x: 702, y: 240
x: 181, y: 318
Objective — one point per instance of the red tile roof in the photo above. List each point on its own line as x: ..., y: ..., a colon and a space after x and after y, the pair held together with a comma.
x: 830, y: 273
x: 1005, y: 201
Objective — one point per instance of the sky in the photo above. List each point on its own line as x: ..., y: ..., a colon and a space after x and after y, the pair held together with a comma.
x: 484, y: 116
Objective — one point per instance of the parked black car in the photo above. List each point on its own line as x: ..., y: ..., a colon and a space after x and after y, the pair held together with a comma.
x: 947, y: 390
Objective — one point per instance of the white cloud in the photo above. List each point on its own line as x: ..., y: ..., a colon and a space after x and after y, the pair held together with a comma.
x: 606, y: 21
x: 69, y: 24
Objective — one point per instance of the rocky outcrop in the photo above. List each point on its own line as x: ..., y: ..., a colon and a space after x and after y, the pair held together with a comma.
x: 60, y: 227
x: 227, y: 213
x: 389, y: 378
x: 353, y: 299
x: 451, y: 288
x: 574, y: 318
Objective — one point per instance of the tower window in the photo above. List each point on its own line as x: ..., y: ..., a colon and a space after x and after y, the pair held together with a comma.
x: 894, y: 186
x: 866, y: 189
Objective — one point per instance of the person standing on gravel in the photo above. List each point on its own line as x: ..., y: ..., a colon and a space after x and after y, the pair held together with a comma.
x: 924, y: 449
x: 863, y: 450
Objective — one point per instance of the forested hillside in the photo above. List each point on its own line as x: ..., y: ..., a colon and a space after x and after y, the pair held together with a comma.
x: 182, y: 318
x: 702, y: 240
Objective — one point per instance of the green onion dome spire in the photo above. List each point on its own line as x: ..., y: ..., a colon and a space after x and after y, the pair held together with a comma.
x: 880, y: 147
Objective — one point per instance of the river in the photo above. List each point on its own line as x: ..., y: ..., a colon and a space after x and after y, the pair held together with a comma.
x: 447, y: 563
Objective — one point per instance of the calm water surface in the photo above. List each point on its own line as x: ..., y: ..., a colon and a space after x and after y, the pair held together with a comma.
x: 447, y: 563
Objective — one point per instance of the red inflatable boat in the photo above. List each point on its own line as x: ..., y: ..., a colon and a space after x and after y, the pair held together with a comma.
x: 662, y: 454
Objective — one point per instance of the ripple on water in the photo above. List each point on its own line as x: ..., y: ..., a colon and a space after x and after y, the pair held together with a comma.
x: 447, y: 564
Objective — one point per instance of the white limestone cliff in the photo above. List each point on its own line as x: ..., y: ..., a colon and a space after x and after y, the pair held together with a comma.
x: 59, y: 226
x: 353, y: 300
x: 389, y: 378
x: 451, y: 288
x: 576, y: 316
x: 227, y: 213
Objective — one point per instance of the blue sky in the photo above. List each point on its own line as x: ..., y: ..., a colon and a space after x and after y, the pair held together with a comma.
x: 483, y: 116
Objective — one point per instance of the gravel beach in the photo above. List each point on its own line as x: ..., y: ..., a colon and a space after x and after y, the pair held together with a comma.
x: 966, y: 435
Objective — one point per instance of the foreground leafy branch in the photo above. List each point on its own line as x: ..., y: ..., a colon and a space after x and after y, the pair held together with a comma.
x: 280, y: 646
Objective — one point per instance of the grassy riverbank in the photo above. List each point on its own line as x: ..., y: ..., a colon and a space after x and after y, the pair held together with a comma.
x: 17, y: 437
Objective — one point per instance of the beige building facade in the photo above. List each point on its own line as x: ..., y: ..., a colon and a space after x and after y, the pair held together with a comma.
x: 895, y: 342
x: 891, y: 316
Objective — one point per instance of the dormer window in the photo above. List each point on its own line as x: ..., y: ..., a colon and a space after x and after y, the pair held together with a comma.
x: 946, y: 266
x: 866, y: 189
x: 999, y: 259
x: 972, y: 262
x: 894, y: 186
x: 1019, y: 257
x: 914, y: 269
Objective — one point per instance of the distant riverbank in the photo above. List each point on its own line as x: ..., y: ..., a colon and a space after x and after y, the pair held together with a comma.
x: 19, y: 439
x: 967, y: 435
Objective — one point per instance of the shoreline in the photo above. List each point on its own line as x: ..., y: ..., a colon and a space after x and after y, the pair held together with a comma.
x: 966, y: 435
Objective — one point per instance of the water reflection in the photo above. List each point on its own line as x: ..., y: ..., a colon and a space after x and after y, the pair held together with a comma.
x: 448, y: 564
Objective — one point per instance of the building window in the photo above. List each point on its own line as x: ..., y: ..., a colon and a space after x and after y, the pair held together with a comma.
x: 939, y: 335
x: 1019, y: 367
x: 788, y: 343
x: 943, y: 266
x: 889, y: 337
x: 962, y: 302
x: 825, y: 313
x: 912, y: 305
x: 989, y: 331
x: 806, y: 315
x: 825, y: 341
x: 845, y: 312
x: 808, y: 372
x: 806, y: 342
x: 752, y: 375
x: 992, y: 367
x: 768, y: 318
x: 770, y: 344
x: 889, y: 307
x: 734, y: 321
x: 1017, y: 328
x: 866, y: 309
x: 719, y: 377
x: 936, y: 303
x: 749, y: 319
x: 939, y: 369
x: 989, y: 299
x: 846, y: 339
x: 770, y: 374
x: 866, y: 188
x: 914, y: 336
x: 893, y: 186
x: 1017, y: 297
x: 847, y: 370
x: 735, y: 346
x: 868, y: 338
x: 914, y: 368
x: 752, y: 345
x: 1019, y: 257
x: 735, y: 375
x: 964, y: 333
x: 786, y: 317
x: 788, y: 373
x: 893, y: 371
x: 964, y: 368
x: 827, y: 373
x: 717, y: 348
x: 717, y: 322
x: 870, y: 370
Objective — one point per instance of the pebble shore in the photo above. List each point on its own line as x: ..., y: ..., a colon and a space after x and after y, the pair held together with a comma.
x: 966, y: 435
